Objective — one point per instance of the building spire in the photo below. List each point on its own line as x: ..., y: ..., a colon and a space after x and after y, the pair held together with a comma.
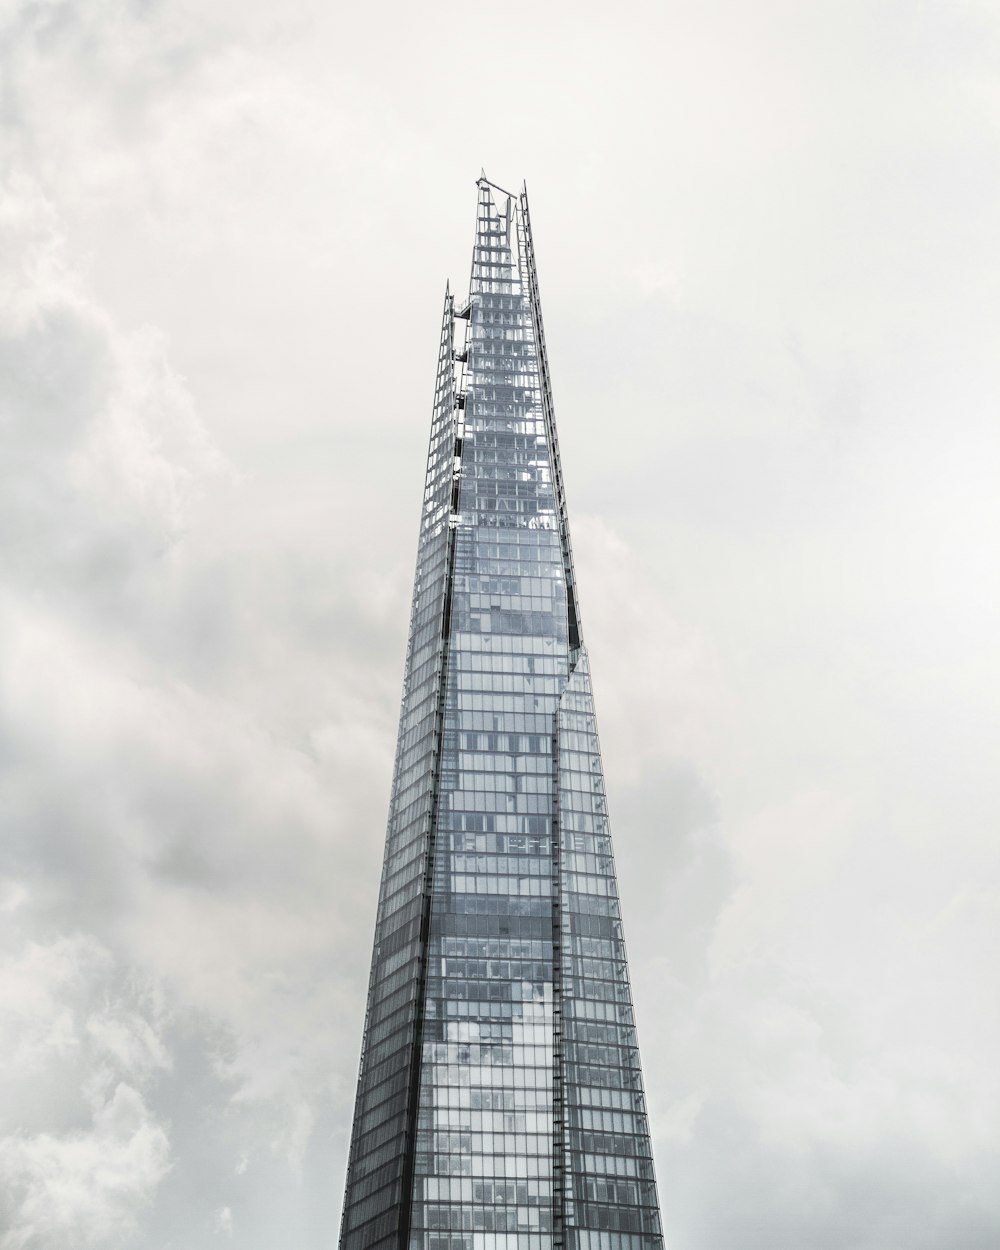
x: 500, y: 1097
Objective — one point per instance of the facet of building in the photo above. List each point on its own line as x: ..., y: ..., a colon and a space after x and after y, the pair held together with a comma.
x: 500, y: 1101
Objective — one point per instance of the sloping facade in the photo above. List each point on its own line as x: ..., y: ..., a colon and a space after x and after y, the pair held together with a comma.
x: 500, y: 1100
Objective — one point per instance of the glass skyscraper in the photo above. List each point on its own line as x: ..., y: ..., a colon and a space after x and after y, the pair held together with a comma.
x: 500, y: 1102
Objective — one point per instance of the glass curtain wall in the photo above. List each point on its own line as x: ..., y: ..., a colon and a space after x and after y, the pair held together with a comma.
x: 500, y: 1102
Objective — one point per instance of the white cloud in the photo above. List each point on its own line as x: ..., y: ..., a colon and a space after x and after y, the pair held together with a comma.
x: 36, y: 1017
x: 81, y: 1153
x: 129, y: 1040
x: 84, y: 1186
x: 773, y: 340
x: 201, y: 841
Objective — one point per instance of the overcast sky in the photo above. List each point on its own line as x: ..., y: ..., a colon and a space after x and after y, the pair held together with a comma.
x: 767, y: 242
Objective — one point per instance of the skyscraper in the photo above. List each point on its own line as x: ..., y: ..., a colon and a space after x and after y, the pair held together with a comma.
x: 500, y: 1102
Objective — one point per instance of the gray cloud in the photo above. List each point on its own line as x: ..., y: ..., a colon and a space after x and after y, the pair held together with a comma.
x: 773, y: 337
x: 171, y: 831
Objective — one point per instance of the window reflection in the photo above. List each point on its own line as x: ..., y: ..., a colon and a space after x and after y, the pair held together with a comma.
x: 530, y: 1107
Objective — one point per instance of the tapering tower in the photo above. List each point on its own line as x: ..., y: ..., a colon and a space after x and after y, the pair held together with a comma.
x: 500, y: 1100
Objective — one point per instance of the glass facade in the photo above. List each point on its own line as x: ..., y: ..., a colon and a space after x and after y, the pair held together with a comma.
x: 500, y: 1102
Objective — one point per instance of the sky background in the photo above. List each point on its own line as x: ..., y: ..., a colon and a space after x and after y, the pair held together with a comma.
x: 767, y: 243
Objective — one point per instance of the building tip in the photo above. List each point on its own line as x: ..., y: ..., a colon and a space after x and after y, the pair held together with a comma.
x: 483, y: 181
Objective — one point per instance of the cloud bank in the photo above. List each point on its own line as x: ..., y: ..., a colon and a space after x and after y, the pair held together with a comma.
x: 223, y: 238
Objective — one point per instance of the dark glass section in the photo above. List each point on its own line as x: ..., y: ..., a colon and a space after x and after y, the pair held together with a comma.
x: 500, y: 1102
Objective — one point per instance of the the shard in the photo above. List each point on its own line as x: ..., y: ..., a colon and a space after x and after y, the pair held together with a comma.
x: 500, y: 1101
